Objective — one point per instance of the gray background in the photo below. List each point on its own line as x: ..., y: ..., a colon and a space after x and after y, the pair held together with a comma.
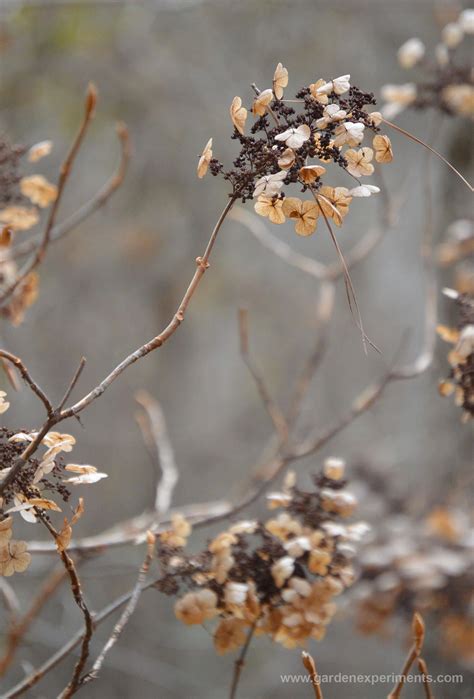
x: 170, y: 70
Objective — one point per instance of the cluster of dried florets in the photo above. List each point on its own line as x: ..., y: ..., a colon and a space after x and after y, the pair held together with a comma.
x: 450, y: 86
x: 457, y: 251
x: 426, y: 566
x: 277, y: 577
x: 460, y: 382
x: 292, y: 142
x: 17, y: 217
x: 48, y: 474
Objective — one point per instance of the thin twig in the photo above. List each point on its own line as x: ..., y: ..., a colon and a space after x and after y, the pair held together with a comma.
x: 430, y: 148
x: 202, y: 264
x: 423, y: 668
x: 310, y: 666
x: 26, y: 376
x: 70, y: 568
x: 126, y: 614
x: 418, y: 630
x: 240, y: 662
x: 273, y: 411
x: 73, y: 382
x: 153, y: 426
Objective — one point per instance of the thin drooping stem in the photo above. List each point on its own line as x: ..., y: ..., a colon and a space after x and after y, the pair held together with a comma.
x: 240, y: 662
x: 430, y: 148
x: 274, y: 412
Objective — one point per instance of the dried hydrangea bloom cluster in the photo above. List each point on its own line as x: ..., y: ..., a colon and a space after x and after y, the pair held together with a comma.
x: 450, y: 85
x: 35, y: 188
x: 460, y: 382
x: 47, y: 475
x: 427, y: 568
x: 16, y: 216
x: 279, y: 577
x: 457, y: 251
x: 293, y: 142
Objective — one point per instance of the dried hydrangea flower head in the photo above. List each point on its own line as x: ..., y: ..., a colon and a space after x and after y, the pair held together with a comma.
x: 449, y: 85
x: 426, y: 567
x: 21, y: 199
x: 460, y: 382
x: 287, y: 143
x: 278, y: 577
x: 33, y: 492
x: 457, y: 251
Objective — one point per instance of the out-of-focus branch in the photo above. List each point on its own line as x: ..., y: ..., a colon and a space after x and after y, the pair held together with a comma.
x: 19, y: 628
x: 418, y: 630
x: 65, y: 171
x: 94, y: 204
x: 155, y: 434
x: 127, y: 612
x: 274, y: 412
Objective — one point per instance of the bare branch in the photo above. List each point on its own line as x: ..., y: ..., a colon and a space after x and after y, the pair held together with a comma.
x: 26, y: 376
x: 97, y: 202
x: 126, y: 614
x: 153, y: 426
x: 65, y: 171
x: 274, y: 412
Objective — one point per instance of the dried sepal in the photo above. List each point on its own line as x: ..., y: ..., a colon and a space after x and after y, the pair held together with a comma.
x: 261, y: 102
x: 39, y: 150
x: 383, y: 149
x: 205, y: 159
x: 19, y: 218
x: 238, y: 114
x: 280, y: 80
x: 38, y: 190
x: 305, y: 213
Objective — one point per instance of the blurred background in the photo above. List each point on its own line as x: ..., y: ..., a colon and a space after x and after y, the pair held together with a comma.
x: 170, y: 69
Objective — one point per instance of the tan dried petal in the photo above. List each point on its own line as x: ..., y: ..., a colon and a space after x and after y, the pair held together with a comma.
x: 383, y: 149
x: 305, y: 214
x: 20, y: 218
x: 38, y: 190
x: 280, y: 80
x: 286, y: 159
x: 205, y: 159
x: 261, y: 102
x: 238, y: 114
x: 229, y: 635
x: 39, y: 150
x: 313, y: 88
x: 310, y: 173
x: 270, y: 208
x: 358, y: 161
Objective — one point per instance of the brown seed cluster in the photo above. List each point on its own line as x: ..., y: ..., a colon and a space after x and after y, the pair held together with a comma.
x: 280, y: 576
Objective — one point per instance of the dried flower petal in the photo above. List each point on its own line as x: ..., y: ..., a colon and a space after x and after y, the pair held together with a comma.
x: 280, y: 80
x: 238, y: 114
